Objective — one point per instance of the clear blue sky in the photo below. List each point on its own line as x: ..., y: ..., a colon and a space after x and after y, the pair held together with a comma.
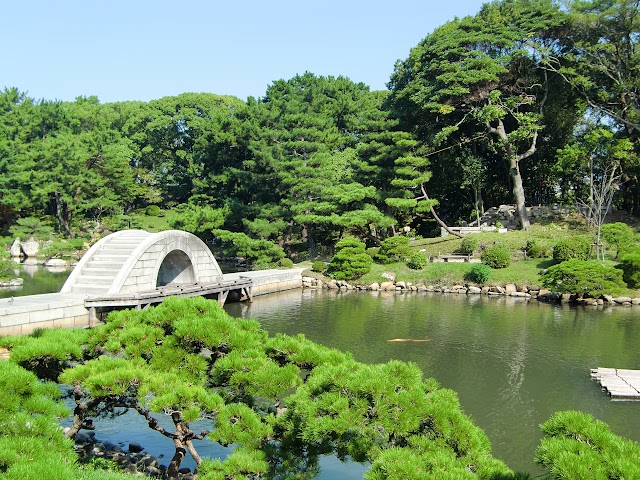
x: 142, y: 49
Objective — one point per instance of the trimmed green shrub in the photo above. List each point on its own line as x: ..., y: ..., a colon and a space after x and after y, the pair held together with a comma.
x: 285, y: 263
x: 6, y: 265
x: 630, y: 266
x: 468, y: 245
x: 318, y: 266
x: 585, y: 278
x: 578, y: 446
x: 571, y: 248
x: 417, y: 261
x: 535, y: 250
x: 496, y: 256
x: 152, y: 211
x: 479, y: 274
x: 350, y: 260
x: 63, y: 248
x: 393, y: 249
x: 617, y: 235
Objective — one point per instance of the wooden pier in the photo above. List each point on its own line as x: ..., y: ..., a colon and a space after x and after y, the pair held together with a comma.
x: 143, y: 299
x: 621, y: 384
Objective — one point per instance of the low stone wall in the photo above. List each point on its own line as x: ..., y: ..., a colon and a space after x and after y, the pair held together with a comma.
x: 269, y: 281
x: 23, y: 315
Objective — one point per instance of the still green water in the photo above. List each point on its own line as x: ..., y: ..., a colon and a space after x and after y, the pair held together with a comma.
x: 513, y: 363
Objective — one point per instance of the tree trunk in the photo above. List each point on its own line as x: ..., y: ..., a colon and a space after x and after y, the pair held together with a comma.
x: 176, y: 461
x: 179, y: 444
x: 61, y: 217
x: 518, y: 193
x: 435, y: 215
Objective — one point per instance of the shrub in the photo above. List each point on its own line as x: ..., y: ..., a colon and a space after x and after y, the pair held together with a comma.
x: 630, y: 266
x: 30, y: 227
x: 152, y: 211
x: 576, y: 445
x: 571, y: 248
x: 350, y: 260
x: 393, y: 249
x: 617, y: 235
x: 478, y: 274
x: 63, y: 248
x: 535, y: 250
x: 256, y: 251
x: 469, y: 245
x: 318, y: 266
x: 585, y: 278
x: 417, y: 261
x: 285, y: 263
x: 6, y: 265
x: 496, y: 256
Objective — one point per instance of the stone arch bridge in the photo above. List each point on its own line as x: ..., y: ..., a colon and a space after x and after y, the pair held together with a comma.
x: 135, y: 260
x: 136, y: 269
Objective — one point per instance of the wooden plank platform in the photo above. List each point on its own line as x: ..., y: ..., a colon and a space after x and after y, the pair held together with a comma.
x: 144, y: 299
x: 621, y: 384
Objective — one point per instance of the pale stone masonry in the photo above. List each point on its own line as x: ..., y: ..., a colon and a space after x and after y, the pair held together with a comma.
x: 134, y: 260
x: 129, y: 262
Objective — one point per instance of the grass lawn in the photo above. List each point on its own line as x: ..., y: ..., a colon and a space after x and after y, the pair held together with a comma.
x: 521, y: 272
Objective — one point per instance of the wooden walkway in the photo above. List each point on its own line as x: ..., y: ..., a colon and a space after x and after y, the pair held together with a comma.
x: 143, y: 299
x: 619, y: 383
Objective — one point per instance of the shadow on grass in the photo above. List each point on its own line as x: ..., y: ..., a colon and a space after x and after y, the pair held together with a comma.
x: 546, y: 263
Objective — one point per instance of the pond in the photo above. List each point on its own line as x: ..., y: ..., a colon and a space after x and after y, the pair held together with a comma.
x: 513, y: 363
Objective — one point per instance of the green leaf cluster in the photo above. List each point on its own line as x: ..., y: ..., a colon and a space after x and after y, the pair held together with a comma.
x: 630, y: 266
x: 468, y: 245
x: 576, y: 445
x: 572, y: 248
x: 585, y: 278
x: 393, y: 249
x: 256, y: 252
x: 350, y: 261
x: 496, y: 256
x: 479, y: 274
x: 417, y: 261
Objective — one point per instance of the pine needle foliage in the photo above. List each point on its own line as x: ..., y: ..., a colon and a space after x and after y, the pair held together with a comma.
x: 47, y: 352
x: 584, y: 278
x: 282, y: 401
x: 576, y: 445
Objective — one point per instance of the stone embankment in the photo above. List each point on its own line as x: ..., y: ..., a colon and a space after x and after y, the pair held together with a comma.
x: 510, y: 290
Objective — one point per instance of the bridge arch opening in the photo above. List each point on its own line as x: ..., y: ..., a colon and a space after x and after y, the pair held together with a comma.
x: 176, y: 268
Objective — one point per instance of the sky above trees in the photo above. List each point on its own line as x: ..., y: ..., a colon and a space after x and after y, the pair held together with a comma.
x: 142, y: 50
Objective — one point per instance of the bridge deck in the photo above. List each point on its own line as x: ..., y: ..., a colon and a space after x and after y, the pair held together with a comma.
x: 145, y: 298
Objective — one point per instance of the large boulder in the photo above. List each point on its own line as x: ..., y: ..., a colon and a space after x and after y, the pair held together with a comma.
x: 30, y: 248
x: 15, y: 251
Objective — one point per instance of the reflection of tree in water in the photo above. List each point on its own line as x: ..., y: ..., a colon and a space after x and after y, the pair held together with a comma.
x: 289, y: 460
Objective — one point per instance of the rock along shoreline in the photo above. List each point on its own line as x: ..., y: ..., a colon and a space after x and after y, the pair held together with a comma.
x: 511, y: 290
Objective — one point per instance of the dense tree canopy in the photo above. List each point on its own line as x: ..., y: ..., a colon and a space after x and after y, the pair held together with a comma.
x: 484, y: 111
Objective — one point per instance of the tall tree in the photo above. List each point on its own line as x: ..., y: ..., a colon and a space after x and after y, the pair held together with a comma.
x: 601, y: 61
x: 482, y: 74
x: 304, y: 126
x: 595, y: 161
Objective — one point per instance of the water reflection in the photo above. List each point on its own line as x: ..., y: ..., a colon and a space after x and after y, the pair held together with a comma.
x: 37, y: 280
